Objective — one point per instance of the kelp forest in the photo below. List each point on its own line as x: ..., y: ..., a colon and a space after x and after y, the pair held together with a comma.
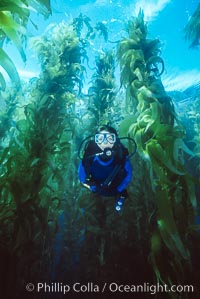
x: 52, y: 229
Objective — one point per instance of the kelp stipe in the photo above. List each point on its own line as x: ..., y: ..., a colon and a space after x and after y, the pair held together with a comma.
x: 102, y: 92
x: 37, y: 163
x: 64, y: 84
x: 159, y: 138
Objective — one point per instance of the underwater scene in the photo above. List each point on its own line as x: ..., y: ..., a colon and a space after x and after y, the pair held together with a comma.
x: 99, y: 149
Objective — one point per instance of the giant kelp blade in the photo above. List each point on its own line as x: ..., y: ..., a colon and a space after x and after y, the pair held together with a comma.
x: 126, y: 123
x: 46, y: 3
x: 160, y: 154
x: 41, y: 6
x: 2, y: 82
x: 9, y: 67
x: 14, y: 6
x: 11, y: 29
x: 167, y: 225
x: 192, y: 29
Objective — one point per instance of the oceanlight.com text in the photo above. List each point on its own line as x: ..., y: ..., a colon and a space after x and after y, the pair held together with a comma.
x: 90, y: 287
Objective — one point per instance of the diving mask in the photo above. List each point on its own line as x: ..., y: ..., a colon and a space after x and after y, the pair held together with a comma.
x: 102, y: 137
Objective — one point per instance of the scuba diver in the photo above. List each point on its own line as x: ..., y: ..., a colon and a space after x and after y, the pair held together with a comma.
x: 105, y: 168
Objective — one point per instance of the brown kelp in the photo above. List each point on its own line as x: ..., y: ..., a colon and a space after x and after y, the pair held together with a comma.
x: 192, y: 29
x: 107, y: 252
x: 194, y: 118
x: 102, y: 92
x: 51, y: 227
x: 35, y: 164
x: 80, y: 22
x: 102, y: 29
x: 159, y: 137
x: 14, y: 16
x: 101, y: 96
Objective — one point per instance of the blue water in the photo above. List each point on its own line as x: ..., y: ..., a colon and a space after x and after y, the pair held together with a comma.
x: 166, y: 21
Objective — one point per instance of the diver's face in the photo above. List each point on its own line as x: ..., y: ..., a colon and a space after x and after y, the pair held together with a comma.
x: 105, y: 139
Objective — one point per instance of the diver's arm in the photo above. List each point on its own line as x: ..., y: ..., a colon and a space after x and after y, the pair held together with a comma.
x: 83, y: 178
x: 81, y: 173
x: 128, y: 177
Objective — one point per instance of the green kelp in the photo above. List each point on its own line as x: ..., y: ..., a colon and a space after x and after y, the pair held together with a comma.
x: 84, y: 21
x: 98, y: 103
x: 8, y: 102
x: 102, y: 93
x: 38, y: 161
x: 63, y: 66
x: 51, y: 227
x: 102, y: 29
x: 194, y: 141
x: 14, y: 16
x: 192, y: 29
x: 159, y: 137
x: 79, y: 23
x: 114, y: 244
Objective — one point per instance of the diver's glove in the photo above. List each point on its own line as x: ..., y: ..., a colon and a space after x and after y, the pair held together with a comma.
x: 93, y: 188
x: 86, y: 185
x: 89, y: 184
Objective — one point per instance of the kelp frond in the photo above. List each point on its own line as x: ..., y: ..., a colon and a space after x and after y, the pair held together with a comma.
x: 64, y: 51
x: 160, y: 145
x: 14, y: 16
x: 192, y: 29
x: 9, y: 67
x: 41, y: 6
x: 11, y: 30
x: 102, y: 29
x: 102, y: 90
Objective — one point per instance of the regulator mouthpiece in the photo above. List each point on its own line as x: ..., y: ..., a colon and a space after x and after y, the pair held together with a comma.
x: 108, y: 152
